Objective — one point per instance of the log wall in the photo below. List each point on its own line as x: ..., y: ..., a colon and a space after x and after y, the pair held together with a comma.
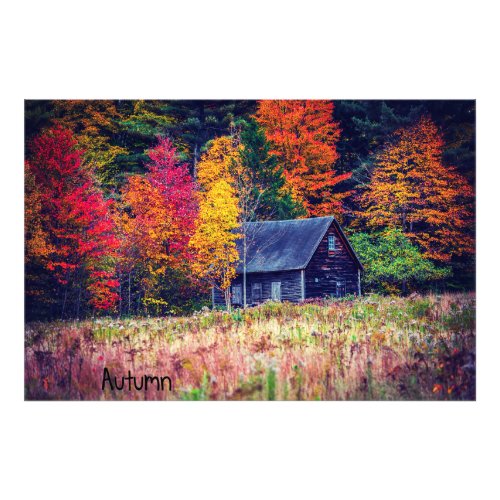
x: 326, y: 268
x: 291, y: 286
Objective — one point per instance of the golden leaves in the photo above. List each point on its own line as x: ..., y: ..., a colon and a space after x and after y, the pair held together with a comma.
x: 214, y: 240
x: 411, y: 188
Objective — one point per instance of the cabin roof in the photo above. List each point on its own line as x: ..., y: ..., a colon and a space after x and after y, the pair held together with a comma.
x: 285, y: 245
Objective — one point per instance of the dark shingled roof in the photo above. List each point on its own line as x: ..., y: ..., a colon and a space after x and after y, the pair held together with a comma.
x: 285, y: 245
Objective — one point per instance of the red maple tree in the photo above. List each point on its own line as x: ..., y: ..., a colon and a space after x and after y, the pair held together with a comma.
x: 75, y: 217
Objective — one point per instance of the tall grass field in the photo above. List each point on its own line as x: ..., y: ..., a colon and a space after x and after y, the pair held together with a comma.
x: 370, y: 348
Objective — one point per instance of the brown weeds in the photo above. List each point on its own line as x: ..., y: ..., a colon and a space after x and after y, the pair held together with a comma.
x: 375, y: 347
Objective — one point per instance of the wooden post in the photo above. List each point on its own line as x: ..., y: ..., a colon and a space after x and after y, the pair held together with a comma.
x: 359, y: 282
x: 303, y: 284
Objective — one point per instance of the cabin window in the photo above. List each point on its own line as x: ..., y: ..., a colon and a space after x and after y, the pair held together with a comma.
x: 256, y: 293
x: 276, y: 291
x: 236, y: 295
x: 340, y: 288
x: 331, y: 243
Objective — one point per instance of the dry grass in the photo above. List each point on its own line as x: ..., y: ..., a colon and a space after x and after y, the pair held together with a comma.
x: 421, y: 347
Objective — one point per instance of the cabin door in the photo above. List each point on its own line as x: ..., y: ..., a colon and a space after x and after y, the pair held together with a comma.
x: 276, y: 291
x: 340, y: 288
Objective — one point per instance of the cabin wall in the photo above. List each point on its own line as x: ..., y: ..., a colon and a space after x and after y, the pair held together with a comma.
x: 291, y: 286
x: 326, y: 268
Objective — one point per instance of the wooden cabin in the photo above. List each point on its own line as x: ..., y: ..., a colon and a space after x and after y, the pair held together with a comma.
x: 294, y: 260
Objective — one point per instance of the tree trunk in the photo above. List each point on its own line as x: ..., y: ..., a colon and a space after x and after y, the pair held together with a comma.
x: 227, y: 297
x: 195, y: 161
x: 79, y: 300
x: 244, y: 271
x: 129, y: 273
x: 120, y: 294
x: 65, y: 296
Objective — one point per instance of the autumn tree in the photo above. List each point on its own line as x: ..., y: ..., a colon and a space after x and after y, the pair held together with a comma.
x: 96, y: 126
x: 215, y: 237
x: 413, y: 190
x: 157, y: 221
x: 40, y: 285
x: 70, y: 220
x: 257, y: 182
x: 303, y: 135
x: 36, y: 238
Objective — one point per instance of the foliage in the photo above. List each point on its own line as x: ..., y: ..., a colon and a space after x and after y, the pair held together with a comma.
x: 36, y: 238
x: 413, y: 190
x: 214, y: 240
x: 366, y: 126
x: 391, y: 260
x: 95, y: 125
x: 197, y: 122
x: 189, y: 124
x: 221, y: 162
x: 304, y: 136
x: 388, y: 169
x: 269, y: 196
x: 68, y: 217
x: 157, y: 220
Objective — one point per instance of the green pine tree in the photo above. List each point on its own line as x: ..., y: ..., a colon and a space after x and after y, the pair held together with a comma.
x: 271, y: 199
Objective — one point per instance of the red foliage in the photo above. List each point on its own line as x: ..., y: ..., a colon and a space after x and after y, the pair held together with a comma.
x: 160, y: 215
x: 75, y: 216
x: 176, y: 186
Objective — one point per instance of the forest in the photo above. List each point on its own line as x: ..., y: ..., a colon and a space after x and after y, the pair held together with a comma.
x: 133, y: 207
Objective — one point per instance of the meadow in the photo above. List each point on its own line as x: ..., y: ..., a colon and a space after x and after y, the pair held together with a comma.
x: 369, y: 348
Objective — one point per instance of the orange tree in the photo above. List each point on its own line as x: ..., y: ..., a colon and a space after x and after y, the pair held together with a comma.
x: 156, y: 223
x: 412, y: 189
x: 303, y: 136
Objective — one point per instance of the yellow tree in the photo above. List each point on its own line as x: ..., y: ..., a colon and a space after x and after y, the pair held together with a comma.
x: 221, y: 161
x: 214, y: 241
